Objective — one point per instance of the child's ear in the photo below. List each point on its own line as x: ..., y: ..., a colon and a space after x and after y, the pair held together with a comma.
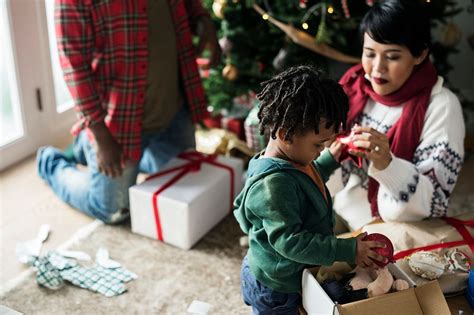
x: 281, y: 136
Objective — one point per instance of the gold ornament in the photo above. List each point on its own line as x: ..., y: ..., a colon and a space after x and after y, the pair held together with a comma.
x: 218, y: 7
x: 230, y: 72
x: 450, y: 35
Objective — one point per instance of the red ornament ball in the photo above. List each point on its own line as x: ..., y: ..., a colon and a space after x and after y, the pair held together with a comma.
x: 386, y: 252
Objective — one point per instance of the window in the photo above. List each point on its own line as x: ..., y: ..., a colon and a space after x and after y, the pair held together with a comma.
x: 61, y: 92
x: 35, y: 105
x: 10, y: 110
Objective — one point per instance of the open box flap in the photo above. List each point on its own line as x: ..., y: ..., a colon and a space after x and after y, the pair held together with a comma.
x: 404, y: 302
x: 431, y: 299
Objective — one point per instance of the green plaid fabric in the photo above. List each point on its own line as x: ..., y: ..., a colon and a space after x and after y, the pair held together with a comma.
x: 53, y: 269
x: 108, y: 282
x: 47, y: 275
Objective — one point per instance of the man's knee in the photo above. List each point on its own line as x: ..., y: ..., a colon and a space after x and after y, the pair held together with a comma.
x: 47, y: 159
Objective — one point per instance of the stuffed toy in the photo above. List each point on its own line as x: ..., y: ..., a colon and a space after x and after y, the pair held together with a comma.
x: 362, y: 284
x: 377, y: 282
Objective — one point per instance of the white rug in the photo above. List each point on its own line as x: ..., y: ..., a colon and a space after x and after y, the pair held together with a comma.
x: 169, y: 278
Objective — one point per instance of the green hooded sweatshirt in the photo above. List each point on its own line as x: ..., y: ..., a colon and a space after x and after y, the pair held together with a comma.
x: 289, y: 223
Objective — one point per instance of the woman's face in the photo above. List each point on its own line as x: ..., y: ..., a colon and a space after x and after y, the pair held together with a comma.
x: 387, y: 65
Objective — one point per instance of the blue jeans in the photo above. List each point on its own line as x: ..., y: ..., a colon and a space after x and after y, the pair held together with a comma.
x: 105, y: 197
x: 265, y: 300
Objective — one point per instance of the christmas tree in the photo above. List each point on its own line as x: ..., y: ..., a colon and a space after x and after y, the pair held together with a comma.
x: 262, y: 37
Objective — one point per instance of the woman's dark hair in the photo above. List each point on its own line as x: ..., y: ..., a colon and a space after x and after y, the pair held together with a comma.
x: 296, y: 100
x: 399, y: 22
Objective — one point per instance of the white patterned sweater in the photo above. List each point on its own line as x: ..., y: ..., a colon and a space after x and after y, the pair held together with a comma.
x: 409, y: 191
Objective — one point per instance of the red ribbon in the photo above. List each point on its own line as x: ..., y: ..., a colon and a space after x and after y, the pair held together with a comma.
x: 195, y: 160
x: 349, y: 146
x: 459, y: 225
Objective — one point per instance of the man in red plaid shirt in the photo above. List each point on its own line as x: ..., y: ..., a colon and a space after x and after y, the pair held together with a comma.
x: 131, y: 70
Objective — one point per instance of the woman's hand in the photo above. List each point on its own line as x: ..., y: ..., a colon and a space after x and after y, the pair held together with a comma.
x: 376, y: 145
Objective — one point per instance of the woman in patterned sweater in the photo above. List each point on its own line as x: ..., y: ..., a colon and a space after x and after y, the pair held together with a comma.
x: 411, y: 128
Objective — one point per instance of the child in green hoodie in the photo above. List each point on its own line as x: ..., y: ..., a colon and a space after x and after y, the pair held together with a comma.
x: 285, y: 207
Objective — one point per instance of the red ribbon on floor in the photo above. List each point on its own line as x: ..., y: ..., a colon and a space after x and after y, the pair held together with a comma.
x: 459, y: 225
x: 195, y: 160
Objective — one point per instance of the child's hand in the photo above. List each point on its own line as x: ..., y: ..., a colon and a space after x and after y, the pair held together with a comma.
x: 365, y: 254
x: 336, y: 148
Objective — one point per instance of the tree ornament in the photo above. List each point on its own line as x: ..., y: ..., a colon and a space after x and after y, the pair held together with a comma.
x: 345, y: 8
x: 427, y: 265
x: 370, y: 3
x: 230, y: 72
x: 303, y: 4
x: 280, y: 62
x: 322, y: 35
x: 218, y: 7
x: 450, y: 35
x: 386, y: 252
x: 226, y: 45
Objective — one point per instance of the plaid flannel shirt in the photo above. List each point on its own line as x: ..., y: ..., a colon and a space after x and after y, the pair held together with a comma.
x: 103, y: 53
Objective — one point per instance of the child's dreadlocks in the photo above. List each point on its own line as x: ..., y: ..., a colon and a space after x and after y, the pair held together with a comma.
x: 297, y: 99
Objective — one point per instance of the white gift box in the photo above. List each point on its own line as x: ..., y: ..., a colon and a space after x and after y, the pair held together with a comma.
x: 188, y: 208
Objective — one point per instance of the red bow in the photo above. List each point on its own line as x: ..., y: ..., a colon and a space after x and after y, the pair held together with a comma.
x: 194, y: 165
x: 349, y: 145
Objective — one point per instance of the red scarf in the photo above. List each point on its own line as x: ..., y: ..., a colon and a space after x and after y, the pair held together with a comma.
x: 404, y: 136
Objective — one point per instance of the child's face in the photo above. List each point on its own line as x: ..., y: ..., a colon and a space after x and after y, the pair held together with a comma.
x: 308, y: 146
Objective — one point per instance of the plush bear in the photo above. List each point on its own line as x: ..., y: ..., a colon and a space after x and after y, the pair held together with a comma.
x: 377, y: 282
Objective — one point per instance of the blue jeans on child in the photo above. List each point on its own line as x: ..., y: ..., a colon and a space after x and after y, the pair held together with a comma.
x: 105, y: 197
x: 264, y: 300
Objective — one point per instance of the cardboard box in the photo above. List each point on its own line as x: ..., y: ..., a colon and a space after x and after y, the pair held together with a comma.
x: 190, y: 207
x: 426, y: 299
